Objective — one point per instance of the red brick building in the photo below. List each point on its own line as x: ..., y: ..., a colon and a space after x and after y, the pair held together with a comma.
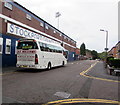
x: 115, y: 51
x: 18, y: 22
x: 118, y: 50
x: 77, y: 54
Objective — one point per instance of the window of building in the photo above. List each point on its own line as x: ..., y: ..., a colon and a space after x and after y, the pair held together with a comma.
x: 68, y: 39
x: 8, y: 46
x: 41, y: 24
x: 1, y: 45
x: 8, y: 5
x: 54, y: 31
x: 46, y: 27
x: 64, y: 37
x: 60, y: 34
x: 73, y: 55
x: 28, y: 17
x: 72, y: 41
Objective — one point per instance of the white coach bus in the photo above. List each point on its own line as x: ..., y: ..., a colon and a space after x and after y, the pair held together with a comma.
x: 39, y: 54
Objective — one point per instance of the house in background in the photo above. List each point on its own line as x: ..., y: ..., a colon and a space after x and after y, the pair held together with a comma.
x: 115, y: 51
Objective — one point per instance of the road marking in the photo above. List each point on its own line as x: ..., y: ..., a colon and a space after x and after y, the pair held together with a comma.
x: 62, y: 94
x: 2, y: 74
x: 83, y: 73
x: 81, y: 100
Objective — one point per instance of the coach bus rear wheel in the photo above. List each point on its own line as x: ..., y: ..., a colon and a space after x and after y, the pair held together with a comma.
x: 63, y: 63
x: 49, y: 66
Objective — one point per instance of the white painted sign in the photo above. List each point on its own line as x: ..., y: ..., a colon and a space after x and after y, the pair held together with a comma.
x: 62, y: 94
x: 19, y: 31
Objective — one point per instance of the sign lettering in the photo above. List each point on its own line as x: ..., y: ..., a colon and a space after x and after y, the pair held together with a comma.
x: 19, y: 31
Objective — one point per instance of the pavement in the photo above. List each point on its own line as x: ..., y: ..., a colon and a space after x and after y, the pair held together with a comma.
x: 100, y: 72
x: 9, y: 69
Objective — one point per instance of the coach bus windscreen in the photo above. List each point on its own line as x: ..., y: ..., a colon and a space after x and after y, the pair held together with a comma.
x: 27, y: 45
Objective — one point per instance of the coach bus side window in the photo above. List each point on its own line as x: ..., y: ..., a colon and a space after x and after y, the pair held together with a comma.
x: 50, y: 48
x: 54, y: 48
x: 41, y: 46
x: 35, y: 46
x: 46, y: 47
x: 60, y: 51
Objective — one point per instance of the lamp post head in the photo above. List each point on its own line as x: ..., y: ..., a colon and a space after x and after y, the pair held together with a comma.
x: 102, y: 30
x: 57, y: 14
x: 106, y: 49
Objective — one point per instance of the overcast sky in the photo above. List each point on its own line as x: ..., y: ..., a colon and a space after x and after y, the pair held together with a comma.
x: 80, y: 19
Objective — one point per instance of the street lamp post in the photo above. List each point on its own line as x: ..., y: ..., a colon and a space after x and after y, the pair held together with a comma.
x: 106, y: 48
x: 57, y: 16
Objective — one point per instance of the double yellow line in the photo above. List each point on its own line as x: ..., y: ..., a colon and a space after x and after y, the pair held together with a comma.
x: 82, y: 100
x: 83, y: 73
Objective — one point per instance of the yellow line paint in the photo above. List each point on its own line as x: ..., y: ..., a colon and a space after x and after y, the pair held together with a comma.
x: 85, y: 102
x: 103, y: 79
x: 81, y: 100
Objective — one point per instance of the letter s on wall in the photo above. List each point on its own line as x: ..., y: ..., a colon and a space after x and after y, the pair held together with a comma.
x: 12, y: 28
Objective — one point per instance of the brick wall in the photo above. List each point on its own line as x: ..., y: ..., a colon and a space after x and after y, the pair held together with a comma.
x: 20, y: 15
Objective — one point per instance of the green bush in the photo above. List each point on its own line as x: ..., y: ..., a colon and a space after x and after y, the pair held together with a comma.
x: 114, y: 63
x: 108, y: 59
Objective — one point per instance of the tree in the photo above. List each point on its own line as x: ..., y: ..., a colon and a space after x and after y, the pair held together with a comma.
x: 82, y: 50
x: 102, y: 55
x: 94, y: 54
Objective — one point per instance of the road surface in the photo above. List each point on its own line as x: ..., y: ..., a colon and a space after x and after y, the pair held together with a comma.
x: 77, y: 82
